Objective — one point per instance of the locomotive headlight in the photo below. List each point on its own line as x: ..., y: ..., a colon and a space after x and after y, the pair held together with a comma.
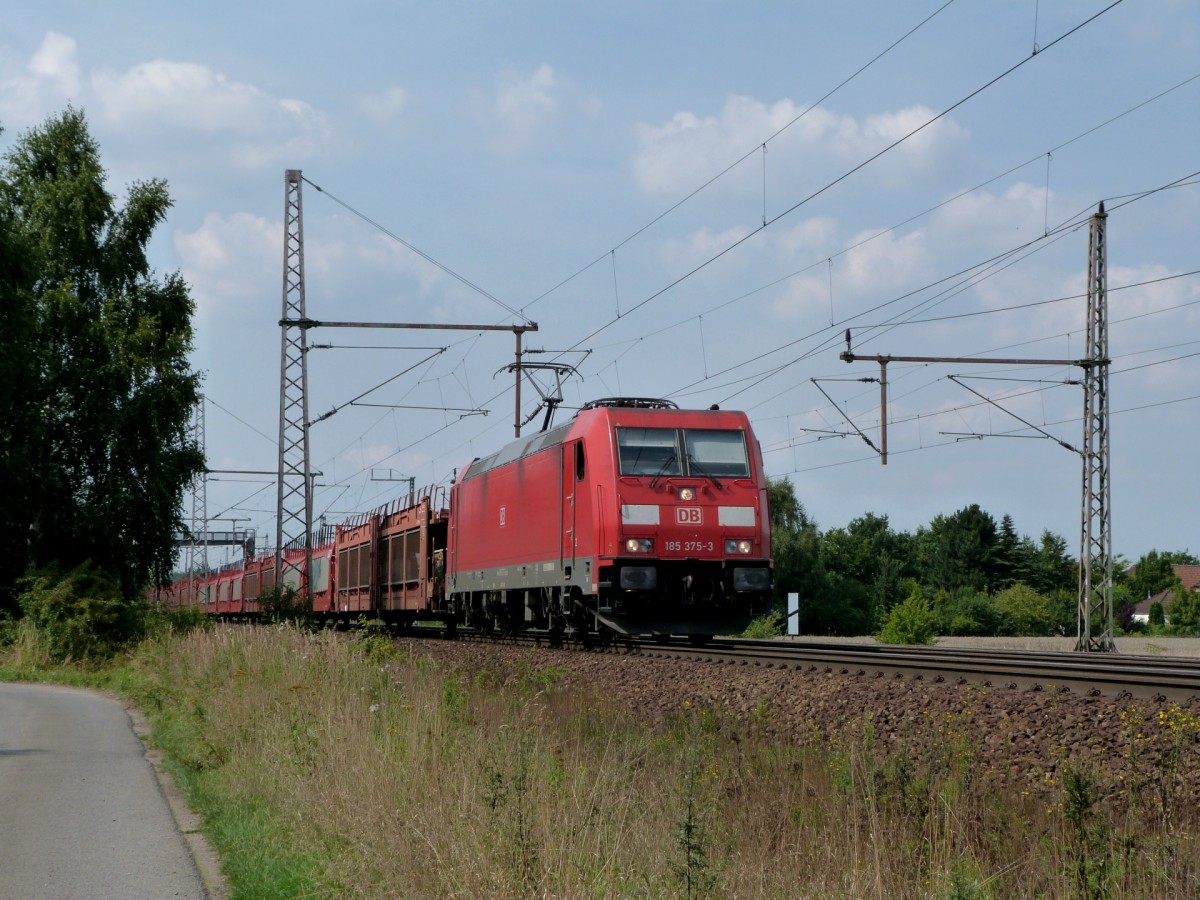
x: 742, y: 547
x: 639, y: 545
x: 687, y: 493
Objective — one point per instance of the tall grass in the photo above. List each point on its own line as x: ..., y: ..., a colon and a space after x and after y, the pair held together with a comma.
x: 330, y: 767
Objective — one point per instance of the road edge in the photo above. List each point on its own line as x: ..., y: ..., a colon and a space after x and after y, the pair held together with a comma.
x: 187, y: 823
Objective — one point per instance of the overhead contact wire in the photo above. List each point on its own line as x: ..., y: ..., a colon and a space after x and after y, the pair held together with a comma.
x: 419, y: 252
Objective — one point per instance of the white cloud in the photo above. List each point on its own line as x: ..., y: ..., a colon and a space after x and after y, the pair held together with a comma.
x: 803, y: 295
x: 699, y: 247
x: 49, y: 79
x: 367, y: 265
x: 231, y: 261
x: 202, y: 109
x: 520, y: 109
x: 798, y: 246
x: 688, y: 149
x: 808, y: 238
x: 885, y: 261
x: 184, y: 109
x: 884, y: 129
x: 1021, y: 209
x: 881, y: 263
x: 54, y: 62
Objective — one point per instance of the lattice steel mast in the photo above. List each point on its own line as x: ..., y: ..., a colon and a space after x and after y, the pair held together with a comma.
x: 199, y: 524
x: 293, y: 521
x: 294, y: 508
x: 1095, y: 543
x: 1095, y: 539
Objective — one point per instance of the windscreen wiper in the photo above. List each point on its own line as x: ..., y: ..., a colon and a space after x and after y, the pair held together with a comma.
x: 694, y: 466
x: 670, y: 461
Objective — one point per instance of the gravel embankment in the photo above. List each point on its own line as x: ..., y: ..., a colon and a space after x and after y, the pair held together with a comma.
x: 1020, y: 739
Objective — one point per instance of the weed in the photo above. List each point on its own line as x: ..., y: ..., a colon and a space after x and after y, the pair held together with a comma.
x: 765, y: 627
x: 375, y: 641
x: 1092, y: 863
x: 535, y: 678
x: 691, y: 868
x: 287, y: 606
x: 962, y: 883
x: 454, y: 699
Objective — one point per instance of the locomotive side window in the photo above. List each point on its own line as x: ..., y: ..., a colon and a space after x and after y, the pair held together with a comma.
x: 649, y: 451
x: 579, y: 468
x: 711, y: 452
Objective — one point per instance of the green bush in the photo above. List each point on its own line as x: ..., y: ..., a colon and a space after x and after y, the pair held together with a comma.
x: 80, y: 615
x: 966, y: 612
x: 1183, y: 611
x: 765, y: 627
x: 1025, y: 611
x: 161, y: 621
x: 909, y: 622
x: 287, y: 606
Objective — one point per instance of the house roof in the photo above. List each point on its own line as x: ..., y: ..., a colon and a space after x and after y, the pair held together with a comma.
x: 1142, y: 607
x: 1189, y: 575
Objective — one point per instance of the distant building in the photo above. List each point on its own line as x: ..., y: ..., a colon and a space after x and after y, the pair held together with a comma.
x: 1190, y: 578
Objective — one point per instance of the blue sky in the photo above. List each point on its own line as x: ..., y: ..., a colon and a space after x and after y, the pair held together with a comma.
x: 606, y: 169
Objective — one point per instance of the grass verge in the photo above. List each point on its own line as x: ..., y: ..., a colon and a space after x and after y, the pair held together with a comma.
x: 331, y: 767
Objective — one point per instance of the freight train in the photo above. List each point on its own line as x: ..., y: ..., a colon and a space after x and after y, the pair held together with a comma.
x: 635, y: 518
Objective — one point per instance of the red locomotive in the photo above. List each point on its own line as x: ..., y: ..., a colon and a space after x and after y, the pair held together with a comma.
x: 634, y: 518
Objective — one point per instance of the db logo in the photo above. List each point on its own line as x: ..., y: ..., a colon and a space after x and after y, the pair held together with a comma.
x: 689, y: 515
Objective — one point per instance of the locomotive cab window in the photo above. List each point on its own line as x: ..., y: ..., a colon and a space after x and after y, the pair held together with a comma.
x: 716, y: 453
x: 649, y: 451
x: 708, y: 452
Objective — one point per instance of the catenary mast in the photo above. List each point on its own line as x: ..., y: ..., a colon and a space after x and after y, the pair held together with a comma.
x: 293, y: 518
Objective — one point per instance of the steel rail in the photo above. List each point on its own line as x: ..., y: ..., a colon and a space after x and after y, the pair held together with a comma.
x: 1146, y: 677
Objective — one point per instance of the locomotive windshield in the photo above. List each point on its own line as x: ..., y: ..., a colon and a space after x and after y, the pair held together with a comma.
x: 713, y: 453
x: 702, y: 452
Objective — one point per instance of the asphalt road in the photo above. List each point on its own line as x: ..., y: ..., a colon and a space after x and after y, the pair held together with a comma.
x: 83, y: 812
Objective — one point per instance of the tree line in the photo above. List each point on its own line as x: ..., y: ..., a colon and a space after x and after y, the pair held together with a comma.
x: 972, y: 575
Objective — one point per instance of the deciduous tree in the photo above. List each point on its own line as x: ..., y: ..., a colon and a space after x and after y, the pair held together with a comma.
x: 959, y: 550
x: 96, y: 345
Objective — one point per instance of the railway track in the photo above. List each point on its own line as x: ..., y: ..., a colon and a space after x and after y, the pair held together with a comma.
x: 1148, y: 677
x: 1113, y: 675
